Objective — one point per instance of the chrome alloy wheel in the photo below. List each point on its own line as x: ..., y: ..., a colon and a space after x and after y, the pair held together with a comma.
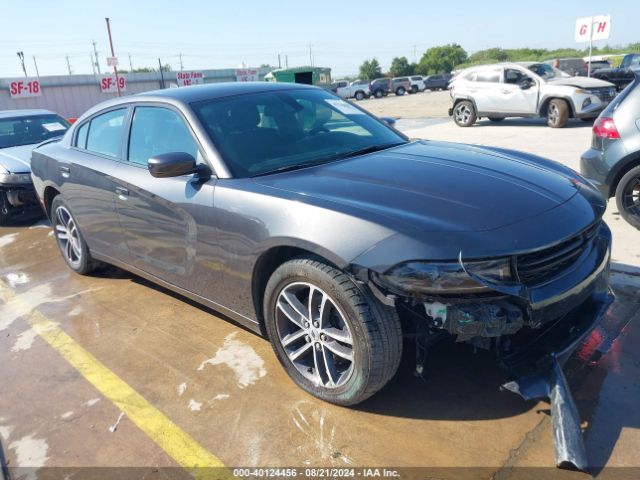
x: 553, y: 114
x: 462, y: 113
x: 631, y: 197
x: 68, y: 236
x: 314, y: 335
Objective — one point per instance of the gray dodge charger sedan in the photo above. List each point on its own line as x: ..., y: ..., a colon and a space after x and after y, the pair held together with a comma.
x: 304, y: 218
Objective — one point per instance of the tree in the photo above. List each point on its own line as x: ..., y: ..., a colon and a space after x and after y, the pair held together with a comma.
x: 442, y: 59
x: 370, y: 69
x: 401, y: 67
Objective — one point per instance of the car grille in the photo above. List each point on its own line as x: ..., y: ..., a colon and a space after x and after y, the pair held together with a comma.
x: 536, y: 267
x: 606, y: 94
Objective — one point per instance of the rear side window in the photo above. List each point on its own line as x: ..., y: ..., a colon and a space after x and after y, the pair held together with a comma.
x: 81, y: 136
x: 105, y: 133
x: 491, y: 76
x: 157, y: 130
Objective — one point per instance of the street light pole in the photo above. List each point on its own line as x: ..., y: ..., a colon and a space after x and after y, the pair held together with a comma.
x: 113, y: 55
x: 21, y: 57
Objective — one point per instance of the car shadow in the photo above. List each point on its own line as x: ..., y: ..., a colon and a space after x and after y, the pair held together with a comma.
x: 531, y: 122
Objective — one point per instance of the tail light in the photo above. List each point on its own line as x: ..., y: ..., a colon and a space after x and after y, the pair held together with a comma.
x: 605, y: 127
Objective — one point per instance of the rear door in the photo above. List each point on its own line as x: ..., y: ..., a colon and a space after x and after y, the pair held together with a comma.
x: 487, y: 85
x: 88, y: 180
x: 164, y: 219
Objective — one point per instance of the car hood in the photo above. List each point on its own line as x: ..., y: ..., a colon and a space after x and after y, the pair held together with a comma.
x: 16, y: 159
x: 434, y: 186
x: 579, y: 82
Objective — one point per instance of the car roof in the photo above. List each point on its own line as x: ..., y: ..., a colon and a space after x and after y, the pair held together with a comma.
x: 25, y: 112
x: 210, y: 91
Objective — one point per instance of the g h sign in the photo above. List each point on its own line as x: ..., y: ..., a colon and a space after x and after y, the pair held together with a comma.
x: 593, y: 28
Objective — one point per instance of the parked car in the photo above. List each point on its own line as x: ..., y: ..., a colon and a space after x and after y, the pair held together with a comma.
x: 306, y: 219
x: 597, y: 64
x: 526, y: 89
x: 613, y: 161
x: 624, y: 74
x: 20, y: 131
x: 439, y: 81
x: 400, y: 85
x: 417, y: 84
x: 380, y: 87
x: 571, y: 66
x: 358, y: 89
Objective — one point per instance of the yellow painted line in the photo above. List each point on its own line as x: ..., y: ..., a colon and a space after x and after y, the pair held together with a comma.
x: 178, y: 444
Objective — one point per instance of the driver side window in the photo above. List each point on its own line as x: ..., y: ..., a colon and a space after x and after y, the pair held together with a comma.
x: 514, y: 76
x: 158, y: 130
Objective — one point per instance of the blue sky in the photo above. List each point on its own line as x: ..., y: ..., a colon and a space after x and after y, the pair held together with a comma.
x: 342, y: 33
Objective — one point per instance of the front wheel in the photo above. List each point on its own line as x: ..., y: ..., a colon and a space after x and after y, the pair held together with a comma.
x: 628, y: 197
x: 400, y: 91
x: 414, y: 89
x: 557, y: 113
x: 464, y: 114
x: 359, y: 95
x: 70, y: 241
x: 335, y: 340
x: 378, y: 94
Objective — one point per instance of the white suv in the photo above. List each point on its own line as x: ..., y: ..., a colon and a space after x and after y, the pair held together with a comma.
x: 417, y: 84
x: 359, y: 89
x: 526, y: 89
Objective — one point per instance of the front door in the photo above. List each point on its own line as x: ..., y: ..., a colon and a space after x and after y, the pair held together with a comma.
x: 517, y: 99
x: 161, y: 217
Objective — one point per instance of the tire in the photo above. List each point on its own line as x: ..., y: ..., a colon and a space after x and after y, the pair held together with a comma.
x: 359, y: 95
x: 378, y: 94
x: 400, y: 91
x: 495, y: 119
x: 414, y: 89
x: 557, y: 113
x: 464, y: 113
x: 628, y: 197
x: 73, y: 248
x: 366, y: 332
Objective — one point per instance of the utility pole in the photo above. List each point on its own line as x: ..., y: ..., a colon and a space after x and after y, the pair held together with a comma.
x: 130, y: 64
x: 279, y: 64
x: 93, y: 63
x: 181, y: 66
x: 161, y: 74
x: 35, y: 64
x: 113, y: 55
x: 95, y: 54
x: 311, y: 55
x: 286, y: 61
x: 68, y: 65
x: 415, y: 54
x: 21, y: 57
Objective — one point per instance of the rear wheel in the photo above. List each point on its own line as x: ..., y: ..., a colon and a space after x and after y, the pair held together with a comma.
x: 414, y: 89
x: 557, y: 113
x: 334, y: 340
x: 628, y: 197
x: 378, y: 94
x: 72, y: 246
x: 464, y: 114
x: 359, y: 95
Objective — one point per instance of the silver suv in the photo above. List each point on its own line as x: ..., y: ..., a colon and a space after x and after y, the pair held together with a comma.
x: 526, y: 89
x: 613, y: 162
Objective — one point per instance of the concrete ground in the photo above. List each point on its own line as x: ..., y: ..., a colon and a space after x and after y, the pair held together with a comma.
x: 112, y: 371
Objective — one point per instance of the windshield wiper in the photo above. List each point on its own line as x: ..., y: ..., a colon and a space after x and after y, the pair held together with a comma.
x: 371, y: 149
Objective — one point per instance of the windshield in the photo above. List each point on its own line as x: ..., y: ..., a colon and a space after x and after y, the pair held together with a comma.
x: 275, y: 131
x: 29, y: 130
x: 547, y: 72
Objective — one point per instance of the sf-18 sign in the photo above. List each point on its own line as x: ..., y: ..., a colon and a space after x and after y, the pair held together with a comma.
x: 25, y: 88
x: 184, y: 79
x: 593, y: 28
x: 247, y: 75
x: 108, y: 84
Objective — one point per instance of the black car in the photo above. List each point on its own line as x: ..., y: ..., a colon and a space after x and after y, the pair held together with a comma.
x: 623, y: 75
x: 381, y: 87
x: 437, y: 82
x: 306, y: 219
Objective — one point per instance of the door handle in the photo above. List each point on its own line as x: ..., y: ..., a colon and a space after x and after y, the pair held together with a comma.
x: 65, y: 171
x: 506, y: 92
x: 122, y: 193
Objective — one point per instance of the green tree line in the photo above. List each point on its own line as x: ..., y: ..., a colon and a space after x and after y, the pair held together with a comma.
x: 445, y: 58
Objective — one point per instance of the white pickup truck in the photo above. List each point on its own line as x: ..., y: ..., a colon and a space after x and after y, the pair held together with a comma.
x: 358, y: 89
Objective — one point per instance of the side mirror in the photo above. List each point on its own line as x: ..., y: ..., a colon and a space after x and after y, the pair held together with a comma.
x: 172, y: 164
x: 526, y: 84
x: 389, y: 121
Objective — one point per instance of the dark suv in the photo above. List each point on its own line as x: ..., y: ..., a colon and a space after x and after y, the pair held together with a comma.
x: 380, y: 87
x: 437, y: 82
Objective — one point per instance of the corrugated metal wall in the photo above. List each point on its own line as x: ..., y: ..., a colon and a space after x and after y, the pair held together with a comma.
x: 71, y: 95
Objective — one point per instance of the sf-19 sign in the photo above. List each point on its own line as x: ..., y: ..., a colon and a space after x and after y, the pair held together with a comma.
x: 25, y: 88
x: 184, y: 79
x: 109, y: 85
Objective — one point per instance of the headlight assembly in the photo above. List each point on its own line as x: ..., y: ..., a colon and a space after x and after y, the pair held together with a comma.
x: 13, y: 178
x: 445, y: 277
